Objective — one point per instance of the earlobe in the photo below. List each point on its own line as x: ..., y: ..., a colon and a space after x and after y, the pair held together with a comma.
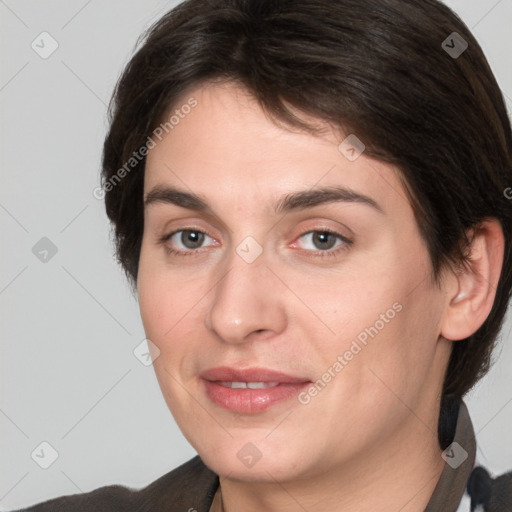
x: 471, y: 290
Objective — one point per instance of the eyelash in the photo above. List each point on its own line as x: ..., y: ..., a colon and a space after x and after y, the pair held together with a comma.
x: 347, y: 243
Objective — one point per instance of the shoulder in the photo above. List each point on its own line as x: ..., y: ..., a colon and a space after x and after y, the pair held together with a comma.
x: 105, y: 498
x: 189, y: 486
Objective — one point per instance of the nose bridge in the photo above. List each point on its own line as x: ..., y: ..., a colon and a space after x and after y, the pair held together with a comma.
x: 244, y: 299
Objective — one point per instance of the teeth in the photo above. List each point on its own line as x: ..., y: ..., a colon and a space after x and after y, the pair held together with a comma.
x: 261, y: 385
x: 250, y: 385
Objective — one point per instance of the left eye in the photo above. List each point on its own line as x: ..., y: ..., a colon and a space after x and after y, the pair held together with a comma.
x: 323, y: 240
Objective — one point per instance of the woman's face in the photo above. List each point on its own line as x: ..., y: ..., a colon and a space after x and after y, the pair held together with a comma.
x: 265, y: 261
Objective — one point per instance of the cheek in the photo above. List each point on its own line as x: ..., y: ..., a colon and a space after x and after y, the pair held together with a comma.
x: 161, y: 299
x: 153, y: 307
x: 155, y: 303
x: 384, y: 323
x: 172, y: 313
x: 166, y: 317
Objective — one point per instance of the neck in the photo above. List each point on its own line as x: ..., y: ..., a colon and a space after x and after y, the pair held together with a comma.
x: 400, y: 475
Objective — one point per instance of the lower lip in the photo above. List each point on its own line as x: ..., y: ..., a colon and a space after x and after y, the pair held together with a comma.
x: 250, y: 401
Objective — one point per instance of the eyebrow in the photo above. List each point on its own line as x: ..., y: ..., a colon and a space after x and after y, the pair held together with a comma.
x: 289, y: 202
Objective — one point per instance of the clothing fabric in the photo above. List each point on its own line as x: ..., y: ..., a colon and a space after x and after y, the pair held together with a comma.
x: 191, y: 487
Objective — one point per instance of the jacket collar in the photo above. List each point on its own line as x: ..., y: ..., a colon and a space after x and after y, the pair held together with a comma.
x: 460, y: 458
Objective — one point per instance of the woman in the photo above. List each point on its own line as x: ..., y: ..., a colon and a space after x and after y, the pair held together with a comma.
x: 308, y: 197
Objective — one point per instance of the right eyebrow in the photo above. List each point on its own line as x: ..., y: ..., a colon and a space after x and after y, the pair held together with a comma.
x: 172, y: 195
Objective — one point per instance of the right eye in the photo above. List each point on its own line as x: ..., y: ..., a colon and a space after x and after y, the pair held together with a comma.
x: 190, y: 240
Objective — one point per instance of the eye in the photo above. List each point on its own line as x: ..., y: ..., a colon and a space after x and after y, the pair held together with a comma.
x: 187, y: 241
x: 324, y: 241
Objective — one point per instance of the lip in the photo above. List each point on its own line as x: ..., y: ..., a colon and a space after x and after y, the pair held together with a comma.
x: 246, y: 400
x: 255, y: 374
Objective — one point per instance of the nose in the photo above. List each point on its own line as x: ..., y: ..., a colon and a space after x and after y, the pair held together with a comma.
x: 246, y: 302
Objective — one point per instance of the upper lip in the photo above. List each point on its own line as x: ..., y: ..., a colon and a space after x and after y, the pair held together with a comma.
x: 227, y: 374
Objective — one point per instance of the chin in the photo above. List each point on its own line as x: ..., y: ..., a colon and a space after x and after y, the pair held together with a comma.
x: 252, y: 462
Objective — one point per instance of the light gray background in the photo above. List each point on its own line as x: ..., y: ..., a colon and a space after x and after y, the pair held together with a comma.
x: 69, y: 326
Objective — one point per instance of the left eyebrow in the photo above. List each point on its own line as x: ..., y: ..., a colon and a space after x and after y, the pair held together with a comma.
x: 294, y: 201
x: 315, y: 197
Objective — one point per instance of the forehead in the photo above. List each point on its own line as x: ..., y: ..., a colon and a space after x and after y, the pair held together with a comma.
x: 226, y: 147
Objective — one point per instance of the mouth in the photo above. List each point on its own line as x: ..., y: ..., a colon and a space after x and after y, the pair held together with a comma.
x: 252, y: 390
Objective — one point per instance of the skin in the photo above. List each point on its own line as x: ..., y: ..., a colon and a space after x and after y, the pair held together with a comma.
x: 368, y: 440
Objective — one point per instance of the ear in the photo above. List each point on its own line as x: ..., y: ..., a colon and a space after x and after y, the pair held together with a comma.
x: 472, y: 289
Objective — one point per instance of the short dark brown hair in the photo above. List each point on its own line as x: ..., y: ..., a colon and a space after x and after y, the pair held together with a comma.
x: 375, y: 68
